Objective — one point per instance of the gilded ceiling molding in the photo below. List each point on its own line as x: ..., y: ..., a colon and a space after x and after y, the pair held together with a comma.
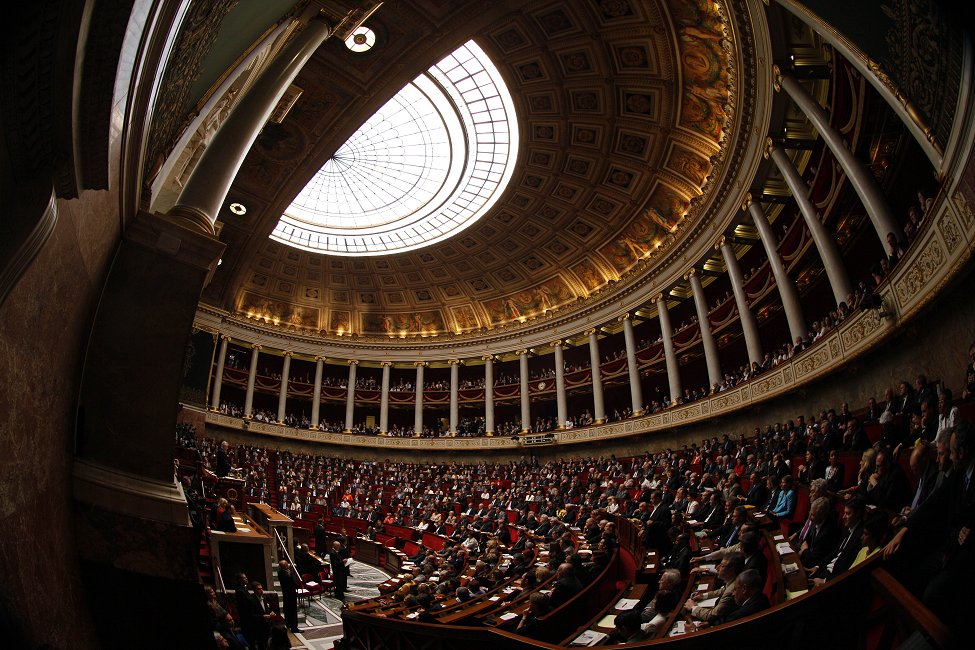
x: 683, y: 248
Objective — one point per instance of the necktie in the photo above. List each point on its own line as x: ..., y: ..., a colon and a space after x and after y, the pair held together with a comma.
x: 805, y: 531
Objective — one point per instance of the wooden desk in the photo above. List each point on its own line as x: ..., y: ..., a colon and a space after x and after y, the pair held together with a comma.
x: 247, y: 550
x: 271, y: 520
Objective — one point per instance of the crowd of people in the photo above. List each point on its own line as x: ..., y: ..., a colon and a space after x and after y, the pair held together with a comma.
x: 932, y: 515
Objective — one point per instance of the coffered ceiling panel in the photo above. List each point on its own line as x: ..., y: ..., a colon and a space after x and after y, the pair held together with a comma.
x: 621, y: 106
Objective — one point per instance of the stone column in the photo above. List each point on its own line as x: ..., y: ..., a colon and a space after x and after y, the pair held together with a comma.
x: 636, y: 390
x: 488, y: 394
x: 748, y: 323
x: 670, y: 357
x: 384, y: 400
x: 218, y: 380
x: 707, y: 336
x: 208, y: 185
x: 900, y: 104
x: 251, y: 378
x: 787, y: 288
x: 598, y: 405
x: 560, y: 403
x: 860, y: 177
x: 526, y: 415
x: 350, y: 396
x: 316, y: 396
x: 418, y: 415
x: 283, y: 393
x: 829, y: 251
x: 454, y: 396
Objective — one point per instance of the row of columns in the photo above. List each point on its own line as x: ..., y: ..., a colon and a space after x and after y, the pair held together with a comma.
x: 207, y: 188
x: 826, y: 246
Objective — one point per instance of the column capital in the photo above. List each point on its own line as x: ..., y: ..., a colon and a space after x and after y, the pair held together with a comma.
x: 659, y: 298
x: 386, y: 364
x: 225, y: 337
x: 487, y: 357
x: 746, y: 201
x: 320, y: 359
x: 353, y: 362
x: 590, y: 331
x: 557, y: 343
x: 624, y: 317
x: 419, y: 364
x: 523, y: 352
x: 454, y: 362
x: 288, y: 353
x: 721, y: 241
x: 690, y: 274
x: 777, y: 78
x: 257, y: 346
x: 767, y: 149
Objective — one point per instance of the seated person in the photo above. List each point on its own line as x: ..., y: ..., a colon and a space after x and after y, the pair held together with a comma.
x: 749, y: 597
x: 222, y: 517
x: 823, y: 536
x: 538, y: 606
x: 849, y: 546
x: 785, y: 500
x: 874, y: 536
x: 629, y: 628
x: 566, y: 585
x: 754, y: 557
x: 664, y: 602
x: 887, y: 487
x: 670, y: 580
x: 728, y: 570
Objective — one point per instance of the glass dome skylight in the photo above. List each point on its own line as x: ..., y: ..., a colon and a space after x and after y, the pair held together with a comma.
x: 425, y: 166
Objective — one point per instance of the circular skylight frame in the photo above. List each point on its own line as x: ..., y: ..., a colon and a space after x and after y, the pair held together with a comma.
x: 361, y: 40
x: 340, y: 212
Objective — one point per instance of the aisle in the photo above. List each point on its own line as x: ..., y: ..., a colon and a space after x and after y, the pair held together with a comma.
x: 323, y: 619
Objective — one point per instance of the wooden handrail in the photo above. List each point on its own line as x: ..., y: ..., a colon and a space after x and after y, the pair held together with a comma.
x: 907, y: 605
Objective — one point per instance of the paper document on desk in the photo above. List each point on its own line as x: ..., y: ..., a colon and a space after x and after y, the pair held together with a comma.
x: 710, y: 602
x: 790, y: 568
x: 680, y: 627
x: 783, y: 548
x: 702, y: 587
x: 627, y: 603
x: 588, y: 639
x: 507, y: 616
x: 607, y: 621
x: 789, y: 595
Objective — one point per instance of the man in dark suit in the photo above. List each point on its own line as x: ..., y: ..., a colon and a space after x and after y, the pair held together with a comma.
x: 320, y: 543
x: 754, y: 558
x: 223, y: 460
x: 748, y: 595
x: 849, y: 544
x: 823, y: 537
x: 566, y: 585
x: 727, y: 534
x: 289, y: 592
x: 256, y: 623
x: 340, y: 572
x: 925, y: 471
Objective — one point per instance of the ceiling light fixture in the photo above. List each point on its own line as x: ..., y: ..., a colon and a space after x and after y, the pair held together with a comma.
x: 361, y: 40
x: 238, y: 208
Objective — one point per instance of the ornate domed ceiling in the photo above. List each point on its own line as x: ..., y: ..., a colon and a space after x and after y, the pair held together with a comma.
x: 623, y: 109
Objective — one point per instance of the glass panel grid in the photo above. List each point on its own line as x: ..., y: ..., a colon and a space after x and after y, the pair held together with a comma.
x: 425, y: 166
